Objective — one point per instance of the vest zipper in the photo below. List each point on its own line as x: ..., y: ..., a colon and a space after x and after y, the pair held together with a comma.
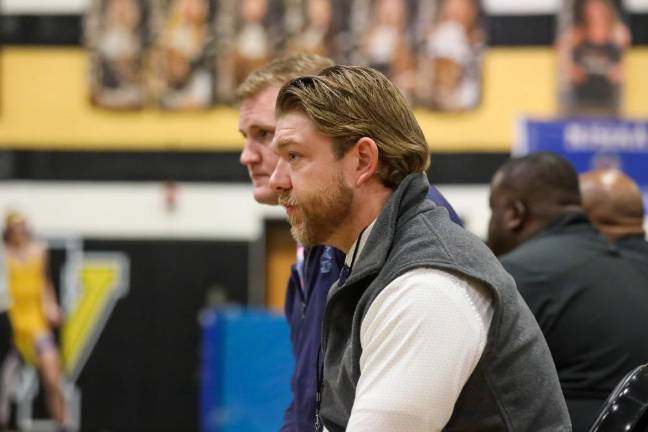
x: 318, y: 419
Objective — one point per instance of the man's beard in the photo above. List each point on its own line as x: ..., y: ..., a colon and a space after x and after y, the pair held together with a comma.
x: 322, y: 212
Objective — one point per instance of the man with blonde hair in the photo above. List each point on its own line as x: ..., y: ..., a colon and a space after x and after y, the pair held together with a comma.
x: 424, y: 330
x: 317, y: 268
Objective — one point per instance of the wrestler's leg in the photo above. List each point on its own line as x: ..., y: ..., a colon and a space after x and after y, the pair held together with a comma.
x: 49, y: 366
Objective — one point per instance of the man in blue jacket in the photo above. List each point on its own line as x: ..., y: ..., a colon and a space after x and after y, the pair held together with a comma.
x: 316, y: 268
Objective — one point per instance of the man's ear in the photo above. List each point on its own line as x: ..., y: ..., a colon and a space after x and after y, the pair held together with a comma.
x: 367, y: 159
x: 516, y: 215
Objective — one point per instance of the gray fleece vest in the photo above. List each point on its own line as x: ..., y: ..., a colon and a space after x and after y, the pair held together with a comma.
x: 514, y: 386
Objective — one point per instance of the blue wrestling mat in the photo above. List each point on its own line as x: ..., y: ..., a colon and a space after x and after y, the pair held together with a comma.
x: 246, y: 369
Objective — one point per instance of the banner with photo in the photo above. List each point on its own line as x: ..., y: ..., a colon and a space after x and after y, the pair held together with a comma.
x: 188, y: 54
x: 382, y: 32
x: 115, y: 34
x: 319, y: 27
x: 591, y: 144
x: 251, y: 33
x: 451, y: 39
x: 182, y: 69
x: 592, y: 37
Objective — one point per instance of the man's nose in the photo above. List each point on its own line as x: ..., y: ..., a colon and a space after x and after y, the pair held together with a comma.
x: 250, y: 155
x: 280, y: 179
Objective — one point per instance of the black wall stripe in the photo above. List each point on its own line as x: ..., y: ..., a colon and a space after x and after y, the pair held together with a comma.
x: 122, y: 166
x: 539, y: 30
x: 224, y: 167
x: 46, y: 30
x: 515, y: 30
x: 464, y: 168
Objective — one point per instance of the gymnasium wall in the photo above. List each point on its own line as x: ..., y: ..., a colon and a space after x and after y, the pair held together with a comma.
x: 167, y: 190
x: 45, y: 105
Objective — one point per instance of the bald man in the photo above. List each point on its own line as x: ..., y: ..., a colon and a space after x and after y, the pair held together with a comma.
x: 590, y: 302
x: 614, y: 204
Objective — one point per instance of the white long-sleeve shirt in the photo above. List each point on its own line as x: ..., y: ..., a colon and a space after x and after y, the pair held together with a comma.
x: 421, y: 340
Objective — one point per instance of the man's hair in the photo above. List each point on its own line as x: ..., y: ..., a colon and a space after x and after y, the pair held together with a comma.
x: 347, y: 103
x: 542, y: 178
x: 279, y: 71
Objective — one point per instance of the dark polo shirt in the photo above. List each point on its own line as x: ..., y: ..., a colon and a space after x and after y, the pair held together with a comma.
x: 591, y: 303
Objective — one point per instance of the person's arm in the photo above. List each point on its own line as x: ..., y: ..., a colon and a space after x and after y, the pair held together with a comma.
x: 421, y: 339
x: 289, y: 424
x: 292, y: 310
x: 50, y: 305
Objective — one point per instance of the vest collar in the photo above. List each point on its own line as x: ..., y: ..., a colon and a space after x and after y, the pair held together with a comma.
x: 401, y: 206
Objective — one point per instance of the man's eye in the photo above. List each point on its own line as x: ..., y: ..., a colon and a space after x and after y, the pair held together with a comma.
x: 292, y: 157
x: 265, y: 136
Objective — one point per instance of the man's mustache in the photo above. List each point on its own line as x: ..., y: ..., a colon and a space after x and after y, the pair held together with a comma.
x: 287, y: 200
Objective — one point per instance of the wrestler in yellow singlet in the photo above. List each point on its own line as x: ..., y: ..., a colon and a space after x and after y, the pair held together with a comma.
x: 26, y: 287
x: 32, y: 308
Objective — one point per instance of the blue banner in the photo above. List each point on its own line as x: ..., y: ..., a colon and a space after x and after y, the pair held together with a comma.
x: 591, y: 144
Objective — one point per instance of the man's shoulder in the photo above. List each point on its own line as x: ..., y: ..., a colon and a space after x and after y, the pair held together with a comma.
x: 437, y: 197
x: 635, y: 243
x: 431, y: 240
x: 635, y: 249
x: 431, y: 226
x: 550, y: 254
